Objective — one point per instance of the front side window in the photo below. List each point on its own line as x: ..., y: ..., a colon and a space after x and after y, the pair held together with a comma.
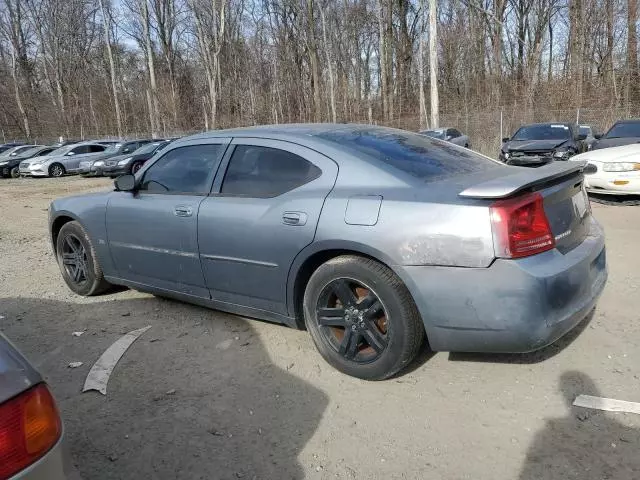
x: 263, y: 172
x: 80, y: 150
x: 186, y: 170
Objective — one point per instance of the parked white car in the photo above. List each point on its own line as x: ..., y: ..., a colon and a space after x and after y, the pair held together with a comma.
x: 617, y: 170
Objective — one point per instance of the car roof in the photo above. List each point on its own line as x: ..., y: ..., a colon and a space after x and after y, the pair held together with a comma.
x: 543, y: 124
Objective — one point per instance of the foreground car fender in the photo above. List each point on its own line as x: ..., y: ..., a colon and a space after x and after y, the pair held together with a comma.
x: 90, y: 211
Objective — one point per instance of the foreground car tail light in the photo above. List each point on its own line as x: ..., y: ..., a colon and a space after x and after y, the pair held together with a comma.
x: 29, y: 427
x: 520, y: 227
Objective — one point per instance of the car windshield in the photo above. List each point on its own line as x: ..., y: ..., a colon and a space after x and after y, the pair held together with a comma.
x: 113, y: 148
x: 552, y: 131
x: 412, y: 153
x: 585, y: 130
x: 149, y: 148
x: 624, y: 130
x: 440, y: 134
x: 22, y: 150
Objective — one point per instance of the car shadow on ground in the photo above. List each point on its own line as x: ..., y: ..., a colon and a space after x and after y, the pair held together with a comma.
x: 197, y: 396
x: 585, y: 444
x: 527, y: 358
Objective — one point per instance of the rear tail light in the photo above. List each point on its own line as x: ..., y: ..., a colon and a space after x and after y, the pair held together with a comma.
x: 520, y: 227
x: 29, y: 427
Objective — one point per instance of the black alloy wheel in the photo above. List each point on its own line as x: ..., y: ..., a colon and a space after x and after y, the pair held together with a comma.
x: 56, y: 170
x: 15, y: 172
x: 78, y: 261
x: 362, y: 318
x: 352, y: 320
x: 74, y: 259
x: 135, y: 167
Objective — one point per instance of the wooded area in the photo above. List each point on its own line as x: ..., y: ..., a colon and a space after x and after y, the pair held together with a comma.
x: 81, y: 68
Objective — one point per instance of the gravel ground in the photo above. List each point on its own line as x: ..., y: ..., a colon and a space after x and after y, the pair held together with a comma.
x: 206, y: 395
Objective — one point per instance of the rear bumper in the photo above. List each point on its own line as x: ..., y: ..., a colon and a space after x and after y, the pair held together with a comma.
x: 513, y: 305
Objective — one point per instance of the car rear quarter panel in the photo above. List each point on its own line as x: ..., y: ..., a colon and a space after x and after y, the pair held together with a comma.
x: 411, y: 229
x: 90, y: 211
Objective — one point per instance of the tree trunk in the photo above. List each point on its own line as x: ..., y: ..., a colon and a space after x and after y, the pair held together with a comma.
x: 106, y: 19
x: 421, y: 80
x: 328, y: 50
x: 313, y: 61
x: 632, y: 54
x: 433, y: 62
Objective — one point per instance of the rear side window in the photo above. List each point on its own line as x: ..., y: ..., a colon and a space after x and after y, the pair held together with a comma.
x: 186, y: 170
x: 418, y: 155
x: 96, y: 148
x: 263, y: 172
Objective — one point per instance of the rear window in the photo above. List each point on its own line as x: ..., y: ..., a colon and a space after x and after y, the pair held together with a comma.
x: 418, y: 155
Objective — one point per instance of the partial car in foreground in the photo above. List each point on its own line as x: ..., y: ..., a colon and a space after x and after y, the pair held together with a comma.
x: 62, y: 161
x: 370, y: 237
x: 541, y: 143
x: 10, y: 167
x: 452, y: 135
x: 615, y: 170
x: 623, y: 132
x: 31, y: 433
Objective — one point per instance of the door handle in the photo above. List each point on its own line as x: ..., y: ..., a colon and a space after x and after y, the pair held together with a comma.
x: 182, y: 211
x: 294, y: 218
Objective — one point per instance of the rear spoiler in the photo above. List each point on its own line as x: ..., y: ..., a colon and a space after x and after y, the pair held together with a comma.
x: 522, y: 179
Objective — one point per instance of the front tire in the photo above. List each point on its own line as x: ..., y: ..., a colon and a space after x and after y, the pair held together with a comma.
x: 78, y: 261
x: 15, y: 172
x: 135, y: 166
x: 362, y: 318
x: 56, y: 170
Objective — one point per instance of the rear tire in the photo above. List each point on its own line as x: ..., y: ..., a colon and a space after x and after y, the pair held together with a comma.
x: 56, y: 170
x: 78, y: 261
x: 362, y: 318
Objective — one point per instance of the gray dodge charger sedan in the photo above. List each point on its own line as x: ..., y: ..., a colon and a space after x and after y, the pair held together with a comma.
x: 371, y: 238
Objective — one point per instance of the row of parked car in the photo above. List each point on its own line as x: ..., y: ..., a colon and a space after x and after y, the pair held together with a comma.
x: 90, y: 158
x: 613, y: 159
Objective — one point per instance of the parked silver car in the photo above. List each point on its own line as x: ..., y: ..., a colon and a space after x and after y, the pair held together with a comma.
x: 62, y: 161
x: 452, y: 135
x: 368, y: 236
x: 31, y: 433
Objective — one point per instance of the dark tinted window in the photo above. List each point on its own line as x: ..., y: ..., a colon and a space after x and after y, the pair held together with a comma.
x: 81, y: 149
x: 96, y: 148
x: 129, y: 147
x: 553, y: 131
x: 417, y: 155
x: 453, y: 133
x: 263, y: 172
x: 183, y: 170
x: 624, y: 130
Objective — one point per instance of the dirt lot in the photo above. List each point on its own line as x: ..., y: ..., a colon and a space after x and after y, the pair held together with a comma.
x: 206, y: 395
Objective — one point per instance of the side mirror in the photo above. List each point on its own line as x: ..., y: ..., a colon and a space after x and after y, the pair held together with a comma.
x: 125, y: 183
x: 597, y: 136
x: 581, y: 137
x: 70, y: 154
x: 505, y: 139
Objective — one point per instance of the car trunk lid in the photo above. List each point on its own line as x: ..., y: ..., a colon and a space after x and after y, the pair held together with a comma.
x: 561, y: 185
